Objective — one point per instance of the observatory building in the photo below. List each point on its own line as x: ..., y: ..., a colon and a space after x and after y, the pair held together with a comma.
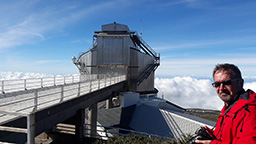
x: 117, y: 51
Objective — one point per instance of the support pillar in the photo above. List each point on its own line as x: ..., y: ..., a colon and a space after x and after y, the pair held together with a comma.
x: 79, y: 125
x: 31, y: 128
x: 92, y: 120
x: 109, y: 103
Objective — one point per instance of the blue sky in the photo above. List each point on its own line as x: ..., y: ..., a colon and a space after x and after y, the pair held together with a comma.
x: 191, y: 35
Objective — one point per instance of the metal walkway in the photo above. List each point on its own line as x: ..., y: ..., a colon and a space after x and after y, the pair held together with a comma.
x: 27, y: 97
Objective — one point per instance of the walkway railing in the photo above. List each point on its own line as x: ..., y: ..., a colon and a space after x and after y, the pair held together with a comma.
x: 21, y: 98
x: 7, y: 86
x: 104, y: 132
x: 31, y: 95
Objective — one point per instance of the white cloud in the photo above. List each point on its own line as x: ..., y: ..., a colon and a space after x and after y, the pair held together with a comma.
x: 34, y: 26
x: 251, y: 86
x: 190, y: 92
x: 202, y: 66
x: 21, y: 75
x: 206, y: 43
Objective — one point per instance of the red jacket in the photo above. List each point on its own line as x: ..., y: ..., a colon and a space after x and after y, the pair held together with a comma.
x: 237, y: 125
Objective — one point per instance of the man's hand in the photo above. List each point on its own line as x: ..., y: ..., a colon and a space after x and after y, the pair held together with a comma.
x: 203, y: 141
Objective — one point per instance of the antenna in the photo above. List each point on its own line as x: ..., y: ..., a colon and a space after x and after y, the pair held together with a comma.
x: 141, y: 28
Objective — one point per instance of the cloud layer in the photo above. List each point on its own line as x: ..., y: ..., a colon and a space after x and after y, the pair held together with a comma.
x: 21, y: 75
x: 190, y: 92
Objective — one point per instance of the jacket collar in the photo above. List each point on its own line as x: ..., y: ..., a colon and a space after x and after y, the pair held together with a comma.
x: 240, y: 100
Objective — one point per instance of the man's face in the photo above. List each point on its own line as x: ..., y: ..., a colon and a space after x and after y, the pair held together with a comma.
x: 226, y: 92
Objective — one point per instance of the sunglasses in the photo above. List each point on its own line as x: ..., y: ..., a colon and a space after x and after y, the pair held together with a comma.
x: 227, y: 82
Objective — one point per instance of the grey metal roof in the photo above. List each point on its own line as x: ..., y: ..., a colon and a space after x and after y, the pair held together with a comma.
x: 150, y: 120
x: 164, y: 122
x: 116, y: 117
x: 110, y: 117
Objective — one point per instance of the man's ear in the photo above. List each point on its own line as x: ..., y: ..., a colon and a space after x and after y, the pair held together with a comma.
x: 241, y: 83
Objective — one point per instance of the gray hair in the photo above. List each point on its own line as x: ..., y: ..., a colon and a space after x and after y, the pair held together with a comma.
x: 234, y: 70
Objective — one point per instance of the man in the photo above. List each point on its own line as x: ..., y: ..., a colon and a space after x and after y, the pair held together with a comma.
x: 237, y: 121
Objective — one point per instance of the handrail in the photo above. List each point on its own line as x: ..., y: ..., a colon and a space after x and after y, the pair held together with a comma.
x: 29, y: 101
x: 29, y: 130
x: 7, y: 86
x: 106, y: 132
x: 147, y: 49
x: 147, y: 46
x: 25, y: 103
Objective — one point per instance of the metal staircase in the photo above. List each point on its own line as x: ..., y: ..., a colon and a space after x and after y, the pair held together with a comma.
x: 144, y: 75
x: 148, y: 50
x: 144, y: 46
